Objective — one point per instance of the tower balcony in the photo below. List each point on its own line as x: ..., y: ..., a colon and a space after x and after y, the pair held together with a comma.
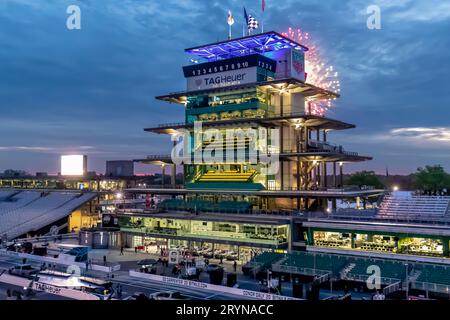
x: 267, y: 119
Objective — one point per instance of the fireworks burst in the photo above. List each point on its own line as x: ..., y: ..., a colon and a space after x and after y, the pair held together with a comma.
x: 318, y: 73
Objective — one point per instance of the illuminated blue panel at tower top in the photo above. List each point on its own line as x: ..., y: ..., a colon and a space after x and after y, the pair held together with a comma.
x: 259, y: 43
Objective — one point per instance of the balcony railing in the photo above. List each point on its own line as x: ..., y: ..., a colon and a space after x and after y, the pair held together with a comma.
x: 267, y: 116
x: 221, y: 235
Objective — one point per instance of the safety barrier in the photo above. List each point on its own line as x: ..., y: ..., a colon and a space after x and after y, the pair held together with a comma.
x: 209, y: 287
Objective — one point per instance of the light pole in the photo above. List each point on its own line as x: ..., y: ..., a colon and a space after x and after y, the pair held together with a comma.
x: 407, y: 281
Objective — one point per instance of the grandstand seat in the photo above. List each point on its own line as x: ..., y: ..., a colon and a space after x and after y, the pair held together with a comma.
x: 31, y: 210
x: 409, y: 206
x: 227, y: 176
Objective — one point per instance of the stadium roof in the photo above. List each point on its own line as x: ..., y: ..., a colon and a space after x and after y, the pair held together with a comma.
x: 23, y: 211
x: 258, y: 43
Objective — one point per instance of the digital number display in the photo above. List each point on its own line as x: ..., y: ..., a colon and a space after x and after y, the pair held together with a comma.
x: 255, y: 60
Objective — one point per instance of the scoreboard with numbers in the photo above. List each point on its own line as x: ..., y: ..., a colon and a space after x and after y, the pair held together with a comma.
x: 232, y: 64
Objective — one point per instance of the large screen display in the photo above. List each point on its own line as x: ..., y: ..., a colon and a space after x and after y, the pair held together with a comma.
x: 73, y: 165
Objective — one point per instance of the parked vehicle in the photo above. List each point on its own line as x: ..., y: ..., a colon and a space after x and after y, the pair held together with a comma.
x: 219, y: 254
x: 138, y: 296
x: 231, y: 256
x: 208, y: 254
x: 167, y: 295
x: 213, y: 267
x: 23, y: 270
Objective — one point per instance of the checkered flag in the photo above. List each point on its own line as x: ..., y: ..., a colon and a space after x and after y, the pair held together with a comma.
x: 252, y: 23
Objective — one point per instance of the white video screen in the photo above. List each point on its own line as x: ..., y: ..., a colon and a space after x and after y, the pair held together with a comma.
x: 72, y: 165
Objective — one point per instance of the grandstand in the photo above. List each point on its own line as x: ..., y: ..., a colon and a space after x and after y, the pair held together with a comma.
x: 343, y: 267
x: 403, y: 206
x: 437, y: 274
x: 24, y: 211
x: 266, y: 259
x: 408, y: 205
x: 391, y: 270
x: 310, y: 263
x: 227, y: 176
x: 349, y: 270
x: 395, y: 274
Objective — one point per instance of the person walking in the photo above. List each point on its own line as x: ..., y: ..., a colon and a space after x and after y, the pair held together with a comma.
x: 235, y: 265
x: 121, y: 250
x: 104, y: 260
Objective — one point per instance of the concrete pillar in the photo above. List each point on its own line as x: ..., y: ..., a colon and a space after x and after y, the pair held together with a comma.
x: 290, y: 233
x: 297, y: 142
x: 163, y: 169
x: 318, y: 177
x: 334, y: 175
x: 174, y: 174
x: 281, y: 162
x: 341, y: 174
x: 445, y: 246
x: 353, y: 238
x: 307, y: 137
x: 324, y: 174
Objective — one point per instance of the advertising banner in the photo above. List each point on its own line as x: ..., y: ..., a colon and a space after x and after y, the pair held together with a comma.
x: 209, y: 287
x: 222, y: 79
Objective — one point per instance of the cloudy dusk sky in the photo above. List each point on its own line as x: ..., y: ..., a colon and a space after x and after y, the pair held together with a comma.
x: 91, y: 91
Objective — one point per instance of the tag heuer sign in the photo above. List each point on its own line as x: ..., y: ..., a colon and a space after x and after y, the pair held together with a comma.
x: 222, y: 79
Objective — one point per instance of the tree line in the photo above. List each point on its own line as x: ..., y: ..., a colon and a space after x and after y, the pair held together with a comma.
x: 428, y: 180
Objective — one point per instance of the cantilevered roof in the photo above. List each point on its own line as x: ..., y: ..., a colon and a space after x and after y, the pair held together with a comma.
x: 326, y: 155
x: 308, y: 120
x: 34, y: 210
x: 289, y: 84
x: 269, y: 193
x: 258, y: 43
x: 156, y: 159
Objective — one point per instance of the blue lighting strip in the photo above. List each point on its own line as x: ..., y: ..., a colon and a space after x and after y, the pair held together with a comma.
x: 259, y: 43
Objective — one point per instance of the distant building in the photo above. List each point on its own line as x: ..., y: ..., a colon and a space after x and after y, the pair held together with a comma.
x: 41, y: 174
x: 120, y: 168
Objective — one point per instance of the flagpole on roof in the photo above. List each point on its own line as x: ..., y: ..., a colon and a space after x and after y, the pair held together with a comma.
x: 262, y: 23
x: 263, y: 4
x: 246, y: 24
